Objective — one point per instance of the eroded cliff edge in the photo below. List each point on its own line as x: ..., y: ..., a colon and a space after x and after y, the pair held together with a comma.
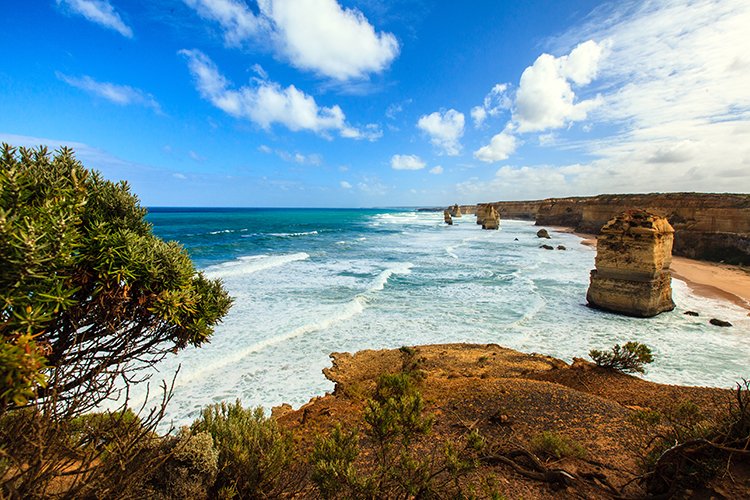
x: 708, y: 226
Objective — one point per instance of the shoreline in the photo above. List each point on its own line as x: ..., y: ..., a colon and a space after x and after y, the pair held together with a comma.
x: 706, y: 279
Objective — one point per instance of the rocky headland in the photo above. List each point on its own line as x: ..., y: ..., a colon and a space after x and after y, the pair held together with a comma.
x: 713, y: 227
x: 538, y: 427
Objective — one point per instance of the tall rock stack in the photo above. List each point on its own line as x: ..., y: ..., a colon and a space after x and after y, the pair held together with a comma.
x: 447, y: 217
x: 634, y: 251
x: 455, y: 211
x: 482, y: 212
x: 491, y: 219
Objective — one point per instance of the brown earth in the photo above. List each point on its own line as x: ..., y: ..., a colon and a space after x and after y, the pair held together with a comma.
x: 510, y: 398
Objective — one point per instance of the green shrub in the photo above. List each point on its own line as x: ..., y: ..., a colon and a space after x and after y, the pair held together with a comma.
x: 629, y: 358
x: 332, y: 462
x: 253, y: 450
x: 191, y: 467
x: 77, y: 256
x: 557, y: 446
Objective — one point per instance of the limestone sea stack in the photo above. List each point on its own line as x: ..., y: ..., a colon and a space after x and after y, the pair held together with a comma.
x: 447, y: 217
x: 491, y: 219
x: 482, y: 213
x: 634, y: 251
x: 455, y: 211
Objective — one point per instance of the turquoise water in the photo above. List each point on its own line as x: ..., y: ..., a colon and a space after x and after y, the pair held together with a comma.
x: 310, y: 282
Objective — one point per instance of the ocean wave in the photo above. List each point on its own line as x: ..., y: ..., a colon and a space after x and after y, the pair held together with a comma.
x: 344, y: 312
x: 253, y: 264
x: 293, y: 235
x: 223, y: 231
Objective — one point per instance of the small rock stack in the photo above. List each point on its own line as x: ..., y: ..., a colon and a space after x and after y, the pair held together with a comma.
x: 482, y: 213
x: 491, y: 218
x: 455, y: 211
x: 634, y: 251
x: 447, y: 217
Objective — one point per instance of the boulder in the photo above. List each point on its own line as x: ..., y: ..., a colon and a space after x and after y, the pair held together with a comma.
x: 491, y: 219
x: 634, y: 251
x: 542, y: 233
x: 719, y: 322
x: 547, y: 247
x: 447, y: 217
x: 691, y: 313
x: 561, y: 247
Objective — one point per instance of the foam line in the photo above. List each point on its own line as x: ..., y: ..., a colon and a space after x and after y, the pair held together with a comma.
x: 253, y: 264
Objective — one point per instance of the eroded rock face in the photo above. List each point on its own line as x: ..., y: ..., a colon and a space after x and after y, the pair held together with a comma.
x: 447, y: 217
x: 455, y: 211
x: 482, y: 213
x: 491, y: 219
x: 634, y: 251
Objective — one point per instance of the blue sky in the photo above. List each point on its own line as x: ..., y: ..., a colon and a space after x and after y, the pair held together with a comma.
x: 383, y: 103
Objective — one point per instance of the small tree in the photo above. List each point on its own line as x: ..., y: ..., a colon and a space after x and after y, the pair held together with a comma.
x: 629, y: 358
x: 87, y: 292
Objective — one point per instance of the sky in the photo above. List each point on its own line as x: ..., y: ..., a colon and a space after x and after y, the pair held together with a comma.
x: 368, y: 103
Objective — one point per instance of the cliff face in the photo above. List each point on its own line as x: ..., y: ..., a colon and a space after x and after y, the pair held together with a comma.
x: 707, y: 226
x: 634, y: 251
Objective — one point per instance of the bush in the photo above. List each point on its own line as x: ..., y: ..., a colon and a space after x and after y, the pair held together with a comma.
x: 86, y: 289
x: 629, y: 358
x: 557, y: 446
x: 253, y: 451
x: 191, y: 469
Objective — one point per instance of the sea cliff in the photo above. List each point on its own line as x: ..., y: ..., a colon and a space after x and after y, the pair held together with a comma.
x: 708, y: 226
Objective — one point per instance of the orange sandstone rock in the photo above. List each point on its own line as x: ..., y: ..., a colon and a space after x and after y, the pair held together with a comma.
x: 634, y: 251
x: 491, y: 219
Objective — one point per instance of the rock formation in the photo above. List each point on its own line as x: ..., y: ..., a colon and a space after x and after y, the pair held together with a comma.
x: 482, y: 213
x: 447, y: 217
x: 634, y: 251
x: 542, y: 233
x: 547, y: 247
x: 455, y: 211
x: 491, y: 219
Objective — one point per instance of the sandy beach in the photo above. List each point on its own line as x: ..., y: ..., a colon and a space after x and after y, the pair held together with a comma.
x: 707, y: 279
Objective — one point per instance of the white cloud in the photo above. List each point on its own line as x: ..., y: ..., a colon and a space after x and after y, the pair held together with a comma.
x: 314, y: 35
x: 265, y: 149
x: 407, y: 162
x: 311, y: 159
x: 345, y: 185
x: 437, y: 170
x: 265, y: 103
x: 178, y: 175
x: 445, y: 130
x: 545, y: 98
x: 100, y: 12
x: 479, y: 115
x: 236, y: 19
x: 122, y: 95
x: 500, y: 147
x: 196, y: 157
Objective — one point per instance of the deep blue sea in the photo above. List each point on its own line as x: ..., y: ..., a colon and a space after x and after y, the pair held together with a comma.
x: 308, y: 282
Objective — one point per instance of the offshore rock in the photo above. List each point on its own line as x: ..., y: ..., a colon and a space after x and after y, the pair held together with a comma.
x: 482, y: 213
x: 447, y: 217
x: 720, y: 322
x: 547, y: 247
x: 491, y: 219
x: 634, y: 251
x: 455, y: 211
x: 542, y: 233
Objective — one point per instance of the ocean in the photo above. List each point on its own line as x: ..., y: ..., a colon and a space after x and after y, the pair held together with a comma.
x: 308, y: 282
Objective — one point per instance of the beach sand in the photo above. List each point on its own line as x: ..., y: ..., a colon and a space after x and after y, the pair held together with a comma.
x: 707, y: 279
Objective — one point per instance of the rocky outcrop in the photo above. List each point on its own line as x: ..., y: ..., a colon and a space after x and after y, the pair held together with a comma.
x: 447, y: 217
x: 491, y: 219
x: 481, y: 212
x: 542, y: 233
x: 707, y: 226
x: 455, y: 211
x: 634, y: 251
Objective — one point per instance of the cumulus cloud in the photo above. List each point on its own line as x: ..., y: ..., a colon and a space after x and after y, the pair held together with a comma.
x: 100, y: 12
x: 444, y: 129
x: 407, y: 162
x: 436, y: 170
x: 500, y: 147
x: 495, y: 102
x: 545, y: 98
x: 345, y: 185
x: 266, y: 103
x: 314, y: 35
x: 122, y: 95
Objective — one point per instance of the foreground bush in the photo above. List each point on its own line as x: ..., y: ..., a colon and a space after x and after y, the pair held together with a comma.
x: 629, y: 358
x: 253, y: 452
x: 86, y: 288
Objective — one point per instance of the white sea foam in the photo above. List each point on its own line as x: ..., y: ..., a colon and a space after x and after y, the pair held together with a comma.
x: 252, y: 264
x: 294, y: 235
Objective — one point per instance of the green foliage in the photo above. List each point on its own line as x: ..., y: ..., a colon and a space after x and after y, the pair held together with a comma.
x: 646, y: 417
x: 253, y: 450
x: 191, y: 467
x: 629, y: 358
x: 332, y: 462
x: 557, y: 446
x: 86, y: 288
